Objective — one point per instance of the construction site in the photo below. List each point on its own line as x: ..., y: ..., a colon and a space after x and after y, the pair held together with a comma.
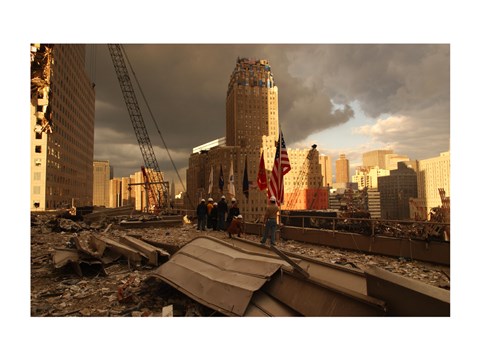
x: 121, y: 262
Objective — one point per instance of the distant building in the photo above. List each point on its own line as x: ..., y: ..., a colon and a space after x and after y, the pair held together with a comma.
x: 102, y: 173
x: 374, y: 203
x: 368, y: 176
x: 326, y: 169
x: 433, y: 174
x: 374, y: 158
x: 342, y: 170
x: 252, y: 127
x: 62, y: 114
x: 396, y: 190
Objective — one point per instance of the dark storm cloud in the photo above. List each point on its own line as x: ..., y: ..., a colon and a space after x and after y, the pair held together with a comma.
x: 185, y: 87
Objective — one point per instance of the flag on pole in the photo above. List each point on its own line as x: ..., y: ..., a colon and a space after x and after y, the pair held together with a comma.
x: 262, y: 175
x: 281, y: 166
x: 231, y: 181
x: 221, y: 181
x: 245, y: 180
x: 210, y: 181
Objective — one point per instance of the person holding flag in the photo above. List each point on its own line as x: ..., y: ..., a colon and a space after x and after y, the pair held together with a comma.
x: 270, y: 221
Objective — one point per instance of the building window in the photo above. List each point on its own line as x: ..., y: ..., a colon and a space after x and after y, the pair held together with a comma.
x: 36, y: 176
x: 36, y: 204
x: 38, y: 148
x: 36, y: 190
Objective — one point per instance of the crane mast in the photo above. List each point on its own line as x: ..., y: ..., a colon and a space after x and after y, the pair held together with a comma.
x: 155, y: 186
x: 301, y: 178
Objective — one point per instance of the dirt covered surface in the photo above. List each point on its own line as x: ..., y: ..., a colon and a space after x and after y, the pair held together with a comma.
x: 121, y: 289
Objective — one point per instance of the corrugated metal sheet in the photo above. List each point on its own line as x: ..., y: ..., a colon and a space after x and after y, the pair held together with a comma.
x: 219, y: 275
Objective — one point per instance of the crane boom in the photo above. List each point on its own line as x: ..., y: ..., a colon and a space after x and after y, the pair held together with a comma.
x: 158, y: 188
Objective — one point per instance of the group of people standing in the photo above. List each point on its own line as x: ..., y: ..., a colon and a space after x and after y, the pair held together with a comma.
x: 219, y: 216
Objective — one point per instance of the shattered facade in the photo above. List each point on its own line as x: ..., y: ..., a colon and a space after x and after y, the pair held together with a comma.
x: 62, y: 114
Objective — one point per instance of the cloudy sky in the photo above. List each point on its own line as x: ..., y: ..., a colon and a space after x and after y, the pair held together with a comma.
x: 346, y: 98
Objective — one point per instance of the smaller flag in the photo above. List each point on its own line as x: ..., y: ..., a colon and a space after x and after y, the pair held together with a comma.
x: 262, y: 175
x: 245, y: 179
x: 221, y: 181
x: 210, y: 181
x: 231, y: 181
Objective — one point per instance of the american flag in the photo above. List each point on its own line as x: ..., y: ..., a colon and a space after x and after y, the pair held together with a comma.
x: 281, y: 166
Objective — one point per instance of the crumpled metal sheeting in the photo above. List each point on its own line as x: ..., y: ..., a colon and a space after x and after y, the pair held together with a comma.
x: 218, y: 275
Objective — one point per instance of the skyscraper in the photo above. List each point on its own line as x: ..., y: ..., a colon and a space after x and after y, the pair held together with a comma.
x: 433, y: 174
x: 342, y: 168
x: 252, y: 104
x: 62, y: 118
x: 376, y: 158
x: 252, y: 126
x: 102, y: 173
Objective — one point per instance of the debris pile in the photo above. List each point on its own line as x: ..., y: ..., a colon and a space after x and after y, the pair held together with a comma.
x: 102, y: 269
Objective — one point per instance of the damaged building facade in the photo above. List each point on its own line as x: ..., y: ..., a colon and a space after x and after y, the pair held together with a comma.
x: 252, y: 127
x: 62, y: 115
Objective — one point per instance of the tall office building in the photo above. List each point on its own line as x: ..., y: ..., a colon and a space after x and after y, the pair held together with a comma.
x: 102, y: 173
x: 326, y: 169
x: 62, y: 115
x: 368, y: 176
x: 252, y: 126
x: 396, y: 190
x: 376, y: 158
x: 433, y: 174
x: 252, y: 104
x: 342, y: 170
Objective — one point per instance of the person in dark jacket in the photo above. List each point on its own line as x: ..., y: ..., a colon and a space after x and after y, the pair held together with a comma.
x: 214, y: 216
x: 222, y: 209
x: 201, y: 215
x: 232, y: 212
x: 209, y: 212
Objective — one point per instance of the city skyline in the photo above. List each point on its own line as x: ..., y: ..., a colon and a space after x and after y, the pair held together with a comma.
x: 345, y: 98
x: 196, y: 22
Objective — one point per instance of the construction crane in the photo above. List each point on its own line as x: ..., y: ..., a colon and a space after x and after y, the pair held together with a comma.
x: 301, y: 178
x: 156, y: 188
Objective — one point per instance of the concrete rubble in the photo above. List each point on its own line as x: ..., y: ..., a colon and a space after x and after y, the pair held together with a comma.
x: 90, y: 269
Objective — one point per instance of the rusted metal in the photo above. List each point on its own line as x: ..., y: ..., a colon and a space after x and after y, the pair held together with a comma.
x: 311, y: 297
x: 407, y: 297
x: 163, y: 221
x: 255, y: 282
x: 217, y: 275
x: 352, y: 279
x: 291, y: 262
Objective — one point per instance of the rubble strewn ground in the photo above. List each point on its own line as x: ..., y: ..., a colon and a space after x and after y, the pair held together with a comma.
x: 127, y: 290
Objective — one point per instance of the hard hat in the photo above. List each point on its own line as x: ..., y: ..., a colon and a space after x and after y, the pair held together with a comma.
x: 215, y: 203
x: 233, y: 199
x: 203, y: 200
x: 273, y: 199
x: 223, y: 196
x: 239, y: 217
x: 210, y: 199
